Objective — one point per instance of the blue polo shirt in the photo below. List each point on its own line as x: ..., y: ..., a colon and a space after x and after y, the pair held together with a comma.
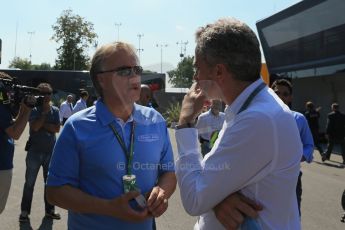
x: 88, y: 156
x: 6, y: 142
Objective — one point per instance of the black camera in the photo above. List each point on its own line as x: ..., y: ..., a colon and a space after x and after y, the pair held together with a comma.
x: 12, y: 94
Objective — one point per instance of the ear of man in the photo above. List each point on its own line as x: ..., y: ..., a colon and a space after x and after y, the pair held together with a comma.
x: 101, y: 81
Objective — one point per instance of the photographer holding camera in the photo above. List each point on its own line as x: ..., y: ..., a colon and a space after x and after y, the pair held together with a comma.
x: 44, y: 124
x: 10, y: 129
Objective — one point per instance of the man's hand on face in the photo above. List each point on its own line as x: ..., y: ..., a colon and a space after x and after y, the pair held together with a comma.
x: 233, y: 209
x: 192, y: 104
x: 157, y: 202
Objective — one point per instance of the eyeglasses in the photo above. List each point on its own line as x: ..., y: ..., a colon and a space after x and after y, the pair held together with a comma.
x: 126, y: 71
x: 284, y: 94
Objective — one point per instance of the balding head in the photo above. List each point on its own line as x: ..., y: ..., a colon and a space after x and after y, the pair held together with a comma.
x: 69, y: 98
x: 216, y: 106
x: 145, y: 95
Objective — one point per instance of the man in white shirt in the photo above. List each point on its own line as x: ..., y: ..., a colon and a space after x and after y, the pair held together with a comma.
x: 209, y: 124
x: 81, y: 103
x: 258, y: 150
x: 66, y: 109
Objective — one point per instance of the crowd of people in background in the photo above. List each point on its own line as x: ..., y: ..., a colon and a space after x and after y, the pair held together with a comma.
x: 335, y: 129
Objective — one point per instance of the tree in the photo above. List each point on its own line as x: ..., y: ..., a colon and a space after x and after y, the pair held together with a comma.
x: 25, y: 64
x: 76, y: 36
x: 148, y: 71
x: 182, y: 76
x: 42, y: 66
x: 20, y: 63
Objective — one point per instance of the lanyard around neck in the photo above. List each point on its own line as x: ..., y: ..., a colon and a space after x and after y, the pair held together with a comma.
x: 251, y: 97
x: 128, y: 153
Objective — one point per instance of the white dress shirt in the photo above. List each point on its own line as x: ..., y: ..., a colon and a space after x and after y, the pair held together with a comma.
x: 80, y: 105
x: 258, y: 152
x: 208, y: 123
x: 66, y: 110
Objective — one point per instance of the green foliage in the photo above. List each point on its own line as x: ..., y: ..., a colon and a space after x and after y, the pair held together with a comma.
x: 20, y: 63
x: 75, y: 36
x: 182, y: 76
x: 148, y: 71
x: 25, y: 64
x: 42, y: 66
x: 172, y: 114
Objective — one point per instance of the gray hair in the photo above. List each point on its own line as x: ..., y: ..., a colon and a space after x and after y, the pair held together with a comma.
x: 101, y: 54
x: 232, y: 43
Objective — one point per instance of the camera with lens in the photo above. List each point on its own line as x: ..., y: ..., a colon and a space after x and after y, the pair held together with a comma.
x: 12, y: 94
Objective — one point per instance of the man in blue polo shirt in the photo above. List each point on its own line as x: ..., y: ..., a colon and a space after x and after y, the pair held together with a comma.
x: 9, y: 129
x: 283, y: 89
x: 101, y: 147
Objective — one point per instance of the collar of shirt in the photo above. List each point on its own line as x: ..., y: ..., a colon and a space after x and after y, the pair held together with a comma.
x: 215, y: 116
x: 210, y: 113
x: 67, y: 104
x: 106, y: 117
x: 232, y: 110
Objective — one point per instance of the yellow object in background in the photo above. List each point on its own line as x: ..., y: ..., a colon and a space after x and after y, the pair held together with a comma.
x: 265, y: 74
x: 213, y: 138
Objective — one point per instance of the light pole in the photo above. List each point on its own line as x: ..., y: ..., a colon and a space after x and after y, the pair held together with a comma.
x: 15, y: 44
x: 161, y: 45
x: 30, y: 41
x: 118, y: 30
x: 183, y: 48
x: 140, y: 50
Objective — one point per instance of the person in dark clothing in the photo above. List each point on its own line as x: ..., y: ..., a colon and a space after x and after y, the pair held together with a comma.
x: 10, y: 129
x: 313, y: 116
x: 44, y: 123
x: 335, y: 131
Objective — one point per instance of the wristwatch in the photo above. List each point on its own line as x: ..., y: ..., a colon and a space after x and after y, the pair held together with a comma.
x: 185, y: 125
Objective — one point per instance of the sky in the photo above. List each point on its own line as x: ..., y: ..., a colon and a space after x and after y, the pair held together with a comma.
x: 26, y: 26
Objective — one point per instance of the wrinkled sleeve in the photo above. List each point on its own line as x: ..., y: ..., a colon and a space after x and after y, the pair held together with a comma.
x: 306, y: 138
x: 230, y: 166
x: 64, y: 164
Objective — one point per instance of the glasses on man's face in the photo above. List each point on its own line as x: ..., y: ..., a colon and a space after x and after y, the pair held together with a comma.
x: 284, y: 94
x: 126, y: 71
